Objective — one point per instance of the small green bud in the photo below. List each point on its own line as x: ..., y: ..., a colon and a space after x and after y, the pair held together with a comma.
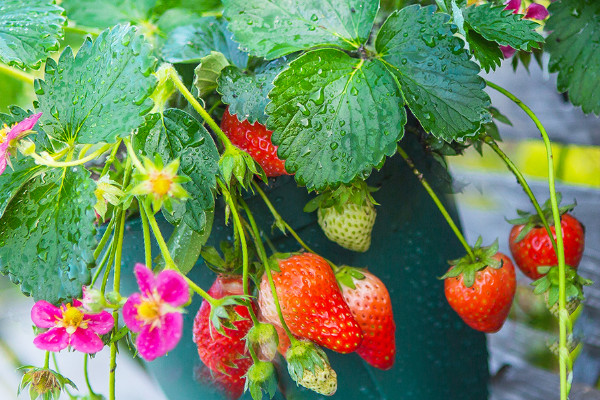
x: 264, y: 340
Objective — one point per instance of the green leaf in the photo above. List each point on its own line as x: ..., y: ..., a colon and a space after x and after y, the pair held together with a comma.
x: 488, y: 53
x: 29, y: 31
x: 190, y: 43
x: 504, y: 27
x: 176, y: 134
x: 174, y: 18
x: 574, y: 47
x: 47, y: 235
x: 100, y: 94
x: 208, y: 71
x: 274, y: 28
x: 334, y: 117
x: 438, y: 81
x: 11, y: 181
x: 246, y: 92
x: 105, y: 13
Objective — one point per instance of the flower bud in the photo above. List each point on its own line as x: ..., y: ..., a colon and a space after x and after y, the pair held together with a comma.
x: 93, y: 300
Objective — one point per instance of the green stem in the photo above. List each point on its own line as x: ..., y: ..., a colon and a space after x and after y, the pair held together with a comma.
x: 164, y: 249
x: 441, y: 5
x: 147, y: 244
x: 61, y: 153
x: 47, y: 360
x: 119, y: 254
x: 86, y: 376
x: 199, y: 109
x: 560, y: 249
x: 17, y: 73
x: 263, y: 257
x: 132, y: 155
x: 214, y: 107
x: 111, y: 158
x: 104, y: 238
x: 437, y: 202
x: 111, y: 258
x: 103, y: 263
x: 278, y: 219
x: 117, y: 283
x: 81, y: 30
x: 84, y: 149
x: 113, y: 365
x: 517, y: 173
x: 58, y: 164
x: 237, y: 224
x: 116, y: 288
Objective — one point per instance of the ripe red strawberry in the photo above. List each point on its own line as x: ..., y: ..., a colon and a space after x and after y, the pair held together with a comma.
x: 534, y: 249
x: 311, y: 303
x: 254, y: 139
x: 224, y: 354
x: 370, y: 303
x: 482, y: 292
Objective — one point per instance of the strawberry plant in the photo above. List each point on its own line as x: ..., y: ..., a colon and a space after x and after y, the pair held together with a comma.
x: 191, y: 109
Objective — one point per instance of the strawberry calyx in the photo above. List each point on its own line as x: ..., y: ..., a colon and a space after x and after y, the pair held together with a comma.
x: 533, y: 220
x: 468, y: 267
x: 358, y: 193
x: 223, y: 313
x: 261, y: 377
x: 304, y: 355
x: 346, y: 275
x: 228, y: 264
x: 549, y: 284
x: 236, y: 163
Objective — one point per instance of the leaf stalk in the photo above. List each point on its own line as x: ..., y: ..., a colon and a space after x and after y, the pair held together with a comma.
x: 563, y: 359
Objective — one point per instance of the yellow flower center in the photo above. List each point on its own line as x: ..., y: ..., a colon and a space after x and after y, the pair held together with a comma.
x: 148, y: 311
x: 161, y: 184
x: 3, y: 133
x: 72, y: 319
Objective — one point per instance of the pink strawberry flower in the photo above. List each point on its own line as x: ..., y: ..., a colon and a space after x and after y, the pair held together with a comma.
x: 68, y: 325
x: 534, y: 11
x: 9, y: 136
x: 155, y: 312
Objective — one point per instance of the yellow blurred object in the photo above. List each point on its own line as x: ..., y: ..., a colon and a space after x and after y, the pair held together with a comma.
x: 530, y: 157
x: 573, y: 164
x: 580, y: 165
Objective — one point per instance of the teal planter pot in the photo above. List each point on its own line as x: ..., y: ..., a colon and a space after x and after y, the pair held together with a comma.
x: 438, y: 356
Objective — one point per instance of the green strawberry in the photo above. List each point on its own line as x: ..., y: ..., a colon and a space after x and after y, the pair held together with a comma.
x: 351, y: 228
x: 346, y: 215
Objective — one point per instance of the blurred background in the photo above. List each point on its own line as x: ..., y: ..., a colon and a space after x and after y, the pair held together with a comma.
x: 486, y: 194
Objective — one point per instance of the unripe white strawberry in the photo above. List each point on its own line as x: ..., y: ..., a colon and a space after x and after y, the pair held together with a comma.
x: 309, y: 367
x: 351, y: 228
